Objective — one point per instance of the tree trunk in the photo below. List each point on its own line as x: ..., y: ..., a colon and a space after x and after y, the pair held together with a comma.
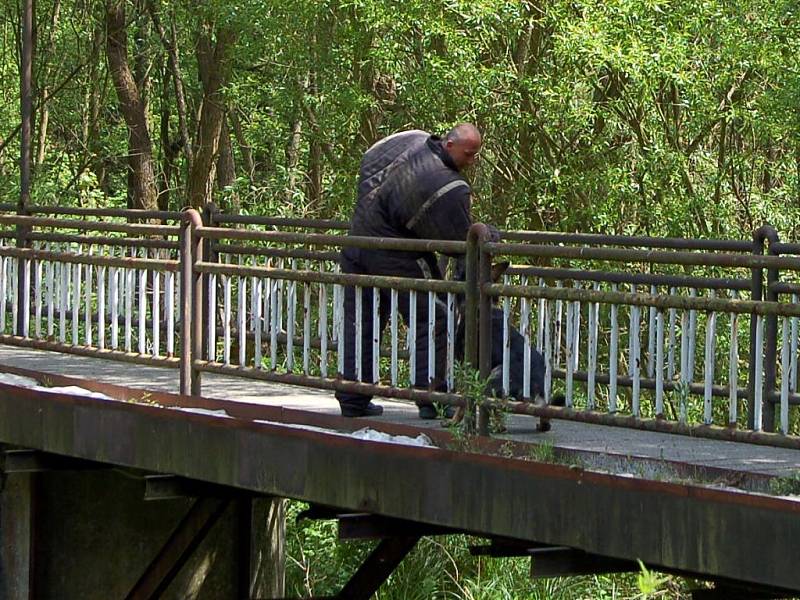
x: 44, y: 112
x: 143, y: 192
x: 226, y: 167
x: 214, y: 64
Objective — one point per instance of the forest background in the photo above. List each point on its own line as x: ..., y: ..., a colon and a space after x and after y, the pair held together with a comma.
x: 651, y: 117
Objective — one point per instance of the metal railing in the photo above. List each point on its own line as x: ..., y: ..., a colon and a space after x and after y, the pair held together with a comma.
x: 691, y: 336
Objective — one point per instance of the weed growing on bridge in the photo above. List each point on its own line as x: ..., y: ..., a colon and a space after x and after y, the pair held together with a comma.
x: 785, y: 486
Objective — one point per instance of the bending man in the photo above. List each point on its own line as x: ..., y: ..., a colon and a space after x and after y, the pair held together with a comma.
x: 410, y: 186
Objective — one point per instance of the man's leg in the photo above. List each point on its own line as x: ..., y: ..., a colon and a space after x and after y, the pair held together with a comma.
x: 423, y: 350
x: 354, y: 404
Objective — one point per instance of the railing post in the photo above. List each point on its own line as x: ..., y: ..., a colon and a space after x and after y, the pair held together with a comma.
x: 771, y: 340
x: 760, y: 235
x: 210, y: 212
x: 471, y: 315
x: 478, y: 333
x: 191, y: 298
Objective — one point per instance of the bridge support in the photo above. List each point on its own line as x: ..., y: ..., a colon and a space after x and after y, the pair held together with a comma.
x: 69, y: 530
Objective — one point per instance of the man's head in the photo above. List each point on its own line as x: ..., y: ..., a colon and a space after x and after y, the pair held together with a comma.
x: 462, y: 143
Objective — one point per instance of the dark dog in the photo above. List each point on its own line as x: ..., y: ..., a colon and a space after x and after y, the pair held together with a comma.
x: 516, y: 358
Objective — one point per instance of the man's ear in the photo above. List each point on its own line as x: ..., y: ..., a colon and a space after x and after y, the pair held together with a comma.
x: 499, y: 269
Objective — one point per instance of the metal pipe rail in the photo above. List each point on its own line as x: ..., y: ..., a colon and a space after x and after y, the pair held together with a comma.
x: 268, y: 307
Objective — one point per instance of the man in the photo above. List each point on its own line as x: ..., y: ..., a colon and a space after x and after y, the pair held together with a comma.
x: 410, y: 186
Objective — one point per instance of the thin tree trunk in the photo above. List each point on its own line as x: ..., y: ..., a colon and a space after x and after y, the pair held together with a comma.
x: 226, y: 167
x: 171, y: 46
x: 144, y: 193
x: 244, y: 147
x: 44, y: 110
x: 214, y: 64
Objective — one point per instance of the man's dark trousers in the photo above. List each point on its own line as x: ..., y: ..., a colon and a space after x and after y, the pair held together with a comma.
x: 387, y: 264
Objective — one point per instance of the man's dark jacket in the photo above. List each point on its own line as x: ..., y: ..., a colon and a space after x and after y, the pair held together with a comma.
x: 408, y: 187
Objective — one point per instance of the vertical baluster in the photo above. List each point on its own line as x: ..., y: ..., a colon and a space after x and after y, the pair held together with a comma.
x: 76, y: 302
x: 659, y: 364
x: 594, y: 325
x: 101, y: 307
x: 257, y: 284
x: 169, y: 311
x: 793, y: 352
x: 635, y: 360
x: 733, y: 366
x: 226, y: 320
x: 291, y: 314
x: 541, y: 321
x: 359, y: 330
x: 651, y: 336
x: 548, y: 351
x: 576, y: 335
x: 631, y: 349
x: 211, y: 351
x: 759, y: 368
x: 38, y: 267
x: 142, y: 325
x: 51, y: 295
x: 274, y: 320
x: 323, y: 329
x: 785, y: 375
x: 3, y: 288
x: 692, y: 337
x: 113, y: 295
x: 87, y: 306
x: 613, y: 358
x: 708, y: 377
x: 506, y: 342
x: 412, y: 336
x: 338, y: 327
x: 129, y: 281
x: 306, y: 326
x: 685, y: 377
x: 376, y: 336
x: 525, y: 331
x: 569, y: 360
x: 451, y: 345
x: 63, y: 269
x: 393, y: 327
x: 672, y: 331
x: 557, y: 329
x: 156, y: 313
x: 431, y: 339
x: 241, y: 320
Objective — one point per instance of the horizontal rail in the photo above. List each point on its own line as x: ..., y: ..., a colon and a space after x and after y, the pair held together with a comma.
x: 684, y: 302
x: 379, y: 281
x: 274, y: 252
x: 124, y: 262
x: 316, y: 239
x: 628, y: 240
x: 749, y: 261
x: 163, y: 230
x: 713, y: 283
x: 119, y: 355
x: 222, y: 218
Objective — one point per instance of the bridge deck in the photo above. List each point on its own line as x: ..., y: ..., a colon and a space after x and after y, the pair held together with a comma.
x: 612, y: 448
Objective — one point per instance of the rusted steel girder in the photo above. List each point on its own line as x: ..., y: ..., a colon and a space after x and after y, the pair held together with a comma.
x: 672, y: 525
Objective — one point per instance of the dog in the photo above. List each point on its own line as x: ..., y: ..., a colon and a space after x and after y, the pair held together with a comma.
x: 494, y: 385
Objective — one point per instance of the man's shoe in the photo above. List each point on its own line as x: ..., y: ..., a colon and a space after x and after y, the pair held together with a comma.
x: 370, y: 410
x: 428, y: 412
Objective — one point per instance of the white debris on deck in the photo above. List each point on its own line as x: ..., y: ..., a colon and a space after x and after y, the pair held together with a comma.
x: 30, y: 383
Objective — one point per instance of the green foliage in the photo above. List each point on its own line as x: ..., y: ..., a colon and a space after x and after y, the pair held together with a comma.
x: 442, y: 568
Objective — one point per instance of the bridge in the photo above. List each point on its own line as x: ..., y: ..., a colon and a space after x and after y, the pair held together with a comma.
x: 677, y: 360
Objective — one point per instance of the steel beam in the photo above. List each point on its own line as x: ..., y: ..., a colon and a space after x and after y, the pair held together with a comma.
x: 609, y: 515
x: 179, y: 547
x: 377, y: 567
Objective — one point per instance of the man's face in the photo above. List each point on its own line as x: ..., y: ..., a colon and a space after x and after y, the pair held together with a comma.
x: 463, y: 151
